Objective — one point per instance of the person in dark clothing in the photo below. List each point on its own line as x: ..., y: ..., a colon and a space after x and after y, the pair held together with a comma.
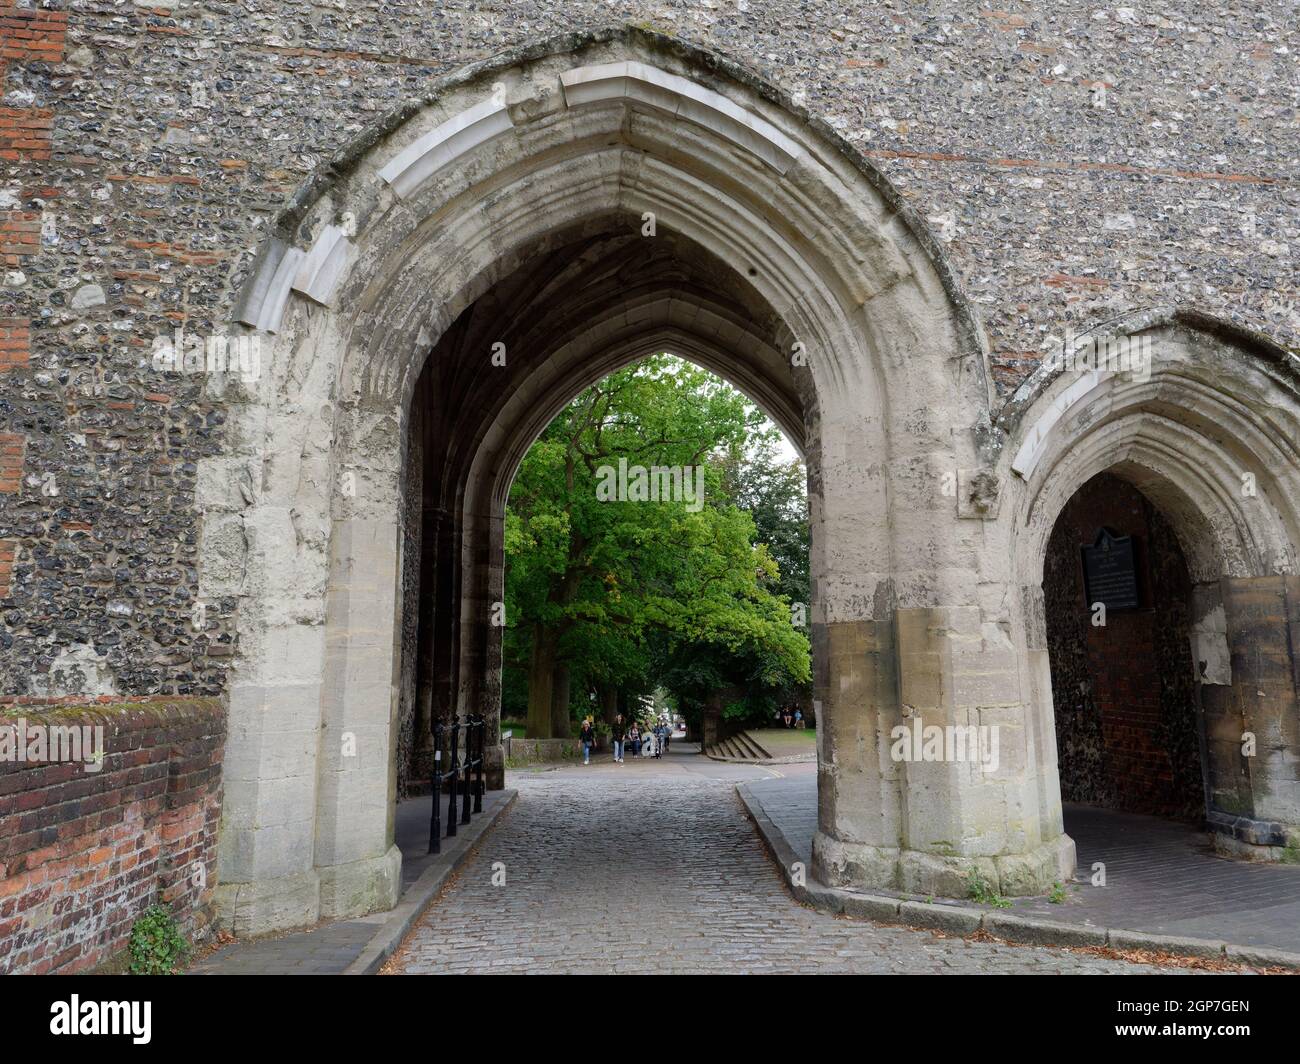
x: 587, y: 734
x: 617, y: 731
x: 634, y: 737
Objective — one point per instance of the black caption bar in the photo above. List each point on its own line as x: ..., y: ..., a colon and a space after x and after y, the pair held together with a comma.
x: 239, y: 1014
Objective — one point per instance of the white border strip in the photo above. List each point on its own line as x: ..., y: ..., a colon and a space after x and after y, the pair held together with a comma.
x: 1036, y: 438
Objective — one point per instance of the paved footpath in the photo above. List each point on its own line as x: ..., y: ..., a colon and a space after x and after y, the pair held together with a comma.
x: 335, y: 947
x: 655, y: 868
x: 1162, y: 877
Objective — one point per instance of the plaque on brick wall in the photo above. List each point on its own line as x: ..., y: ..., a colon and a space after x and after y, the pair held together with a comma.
x: 1110, y: 573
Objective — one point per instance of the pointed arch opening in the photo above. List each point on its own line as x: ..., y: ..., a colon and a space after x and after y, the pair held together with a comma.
x: 570, y: 207
x: 1157, y: 547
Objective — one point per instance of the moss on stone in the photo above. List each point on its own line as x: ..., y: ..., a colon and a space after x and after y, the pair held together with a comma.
x: 113, y: 712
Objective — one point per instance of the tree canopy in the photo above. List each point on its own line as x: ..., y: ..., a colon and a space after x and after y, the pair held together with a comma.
x: 653, y: 538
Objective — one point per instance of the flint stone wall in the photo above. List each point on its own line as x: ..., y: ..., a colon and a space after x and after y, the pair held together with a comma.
x: 1076, y: 162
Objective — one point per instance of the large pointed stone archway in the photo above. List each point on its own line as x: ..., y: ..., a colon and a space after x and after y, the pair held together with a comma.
x: 802, y: 275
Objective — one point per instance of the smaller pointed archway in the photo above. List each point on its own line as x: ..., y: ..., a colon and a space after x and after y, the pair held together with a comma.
x: 1118, y: 605
x: 1192, y: 426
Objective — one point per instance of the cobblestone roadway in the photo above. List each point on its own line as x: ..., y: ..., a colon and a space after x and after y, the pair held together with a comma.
x: 636, y: 868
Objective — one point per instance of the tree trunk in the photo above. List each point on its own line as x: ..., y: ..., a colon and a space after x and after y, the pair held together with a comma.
x: 541, y: 682
x: 711, y: 721
x: 608, y: 702
x: 560, y: 703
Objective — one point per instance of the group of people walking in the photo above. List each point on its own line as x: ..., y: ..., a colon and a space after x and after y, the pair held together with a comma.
x: 650, y: 741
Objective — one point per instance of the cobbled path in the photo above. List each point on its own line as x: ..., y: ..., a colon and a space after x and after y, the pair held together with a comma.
x: 632, y: 870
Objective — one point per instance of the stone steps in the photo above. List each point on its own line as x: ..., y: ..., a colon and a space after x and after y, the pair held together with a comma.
x: 739, y: 747
x: 756, y: 749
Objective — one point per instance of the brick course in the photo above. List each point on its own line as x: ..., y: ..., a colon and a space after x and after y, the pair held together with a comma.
x: 11, y: 461
x: 29, y: 35
x: 25, y: 133
x: 8, y: 549
x: 15, y: 343
x: 20, y: 231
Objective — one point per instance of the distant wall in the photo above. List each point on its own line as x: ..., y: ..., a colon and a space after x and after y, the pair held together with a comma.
x: 528, y: 751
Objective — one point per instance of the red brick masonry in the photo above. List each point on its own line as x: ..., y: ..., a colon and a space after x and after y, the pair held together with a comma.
x: 83, y: 853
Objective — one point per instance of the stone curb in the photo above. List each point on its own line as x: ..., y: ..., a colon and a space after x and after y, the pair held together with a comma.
x: 958, y: 918
x: 416, y: 898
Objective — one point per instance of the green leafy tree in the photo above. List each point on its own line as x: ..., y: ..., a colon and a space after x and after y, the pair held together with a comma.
x: 772, y: 488
x: 606, y: 584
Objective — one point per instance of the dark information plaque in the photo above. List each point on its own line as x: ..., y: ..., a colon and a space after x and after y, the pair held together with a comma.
x: 1109, y: 572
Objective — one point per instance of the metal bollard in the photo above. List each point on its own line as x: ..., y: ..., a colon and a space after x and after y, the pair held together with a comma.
x: 469, y: 763
x: 453, y: 771
x: 482, y: 745
x: 435, y: 818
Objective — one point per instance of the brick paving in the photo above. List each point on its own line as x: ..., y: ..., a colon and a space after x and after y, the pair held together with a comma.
x: 654, y: 868
x: 1162, y: 876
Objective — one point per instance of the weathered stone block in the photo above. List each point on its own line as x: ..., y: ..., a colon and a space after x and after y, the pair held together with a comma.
x: 868, y: 906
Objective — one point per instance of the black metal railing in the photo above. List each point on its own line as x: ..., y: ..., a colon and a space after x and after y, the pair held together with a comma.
x: 450, y: 768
